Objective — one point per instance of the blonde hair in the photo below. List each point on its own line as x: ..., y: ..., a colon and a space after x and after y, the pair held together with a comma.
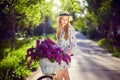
x: 59, y: 28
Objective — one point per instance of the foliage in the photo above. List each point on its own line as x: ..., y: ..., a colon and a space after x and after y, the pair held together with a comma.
x: 106, y: 44
x: 31, y: 9
x: 80, y: 23
x: 7, y: 66
x: 116, y: 52
x: 52, y: 36
x: 43, y: 29
x: 99, y: 9
x: 92, y: 19
x: 92, y: 33
x: 104, y: 14
x: 73, y: 5
x: 12, y: 69
x: 21, y: 13
x: 13, y: 65
x: 4, y: 49
x: 21, y: 72
x: 34, y: 12
x: 84, y: 31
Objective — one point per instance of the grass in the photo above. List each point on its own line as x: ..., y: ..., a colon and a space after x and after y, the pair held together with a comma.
x: 15, y: 64
x: 109, y: 46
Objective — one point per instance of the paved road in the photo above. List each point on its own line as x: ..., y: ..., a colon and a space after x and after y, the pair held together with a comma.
x: 90, y: 62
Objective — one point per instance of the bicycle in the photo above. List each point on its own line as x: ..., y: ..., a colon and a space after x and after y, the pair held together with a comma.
x: 47, y: 77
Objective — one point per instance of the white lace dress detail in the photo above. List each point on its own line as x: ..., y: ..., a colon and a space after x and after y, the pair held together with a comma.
x: 67, y: 45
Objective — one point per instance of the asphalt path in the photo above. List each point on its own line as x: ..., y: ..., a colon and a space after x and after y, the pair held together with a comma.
x: 91, y: 62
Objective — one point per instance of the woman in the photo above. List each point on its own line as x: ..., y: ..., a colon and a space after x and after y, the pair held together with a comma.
x: 66, y: 38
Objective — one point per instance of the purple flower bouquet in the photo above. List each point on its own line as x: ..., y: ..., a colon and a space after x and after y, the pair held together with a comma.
x: 47, y: 49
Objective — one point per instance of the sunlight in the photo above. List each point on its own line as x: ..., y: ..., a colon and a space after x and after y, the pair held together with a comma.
x: 57, y: 2
x: 83, y: 3
x: 56, y: 6
x: 47, y: 0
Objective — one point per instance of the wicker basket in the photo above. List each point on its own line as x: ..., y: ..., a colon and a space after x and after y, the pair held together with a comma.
x: 48, y: 67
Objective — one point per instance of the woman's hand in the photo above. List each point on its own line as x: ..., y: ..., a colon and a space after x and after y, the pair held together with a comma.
x: 70, y: 53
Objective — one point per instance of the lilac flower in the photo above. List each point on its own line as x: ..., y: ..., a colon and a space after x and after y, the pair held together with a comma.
x: 37, y: 41
x: 49, y: 41
x: 66, y: 58
x: 40, y: 53
x: 48, y: 55
x: 29, y: 50
x: 51, y: 48
x: 38, y: 45
x: 59, y: 58
x: 33, y: 56
x: 29, y: 63
x: 47, y: 49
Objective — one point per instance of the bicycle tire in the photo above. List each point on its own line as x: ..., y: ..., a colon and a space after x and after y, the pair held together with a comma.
x: 45, y: 77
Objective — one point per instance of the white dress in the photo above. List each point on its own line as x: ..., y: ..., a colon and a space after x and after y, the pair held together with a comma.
x: 67, y: 45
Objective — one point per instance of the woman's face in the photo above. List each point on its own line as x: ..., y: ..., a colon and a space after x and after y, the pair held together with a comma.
x: 64, y: 20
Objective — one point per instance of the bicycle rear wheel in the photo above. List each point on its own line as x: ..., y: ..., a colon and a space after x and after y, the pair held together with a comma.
x: 45, y: 78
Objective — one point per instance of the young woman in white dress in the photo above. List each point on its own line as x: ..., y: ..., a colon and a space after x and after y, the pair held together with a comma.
x: 66, y: 38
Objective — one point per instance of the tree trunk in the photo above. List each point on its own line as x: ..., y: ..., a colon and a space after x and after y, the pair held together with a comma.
x: 13, y: 24
x: 13, y: 36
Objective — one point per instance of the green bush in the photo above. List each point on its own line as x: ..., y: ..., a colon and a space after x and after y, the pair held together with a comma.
x: 84, y: 31
x: 20, y: 43
x: 14, y: 63
x: 91, y: 33
x: 14, y: 66
x: 4, y: 45
x: 7, y: 65
x: 79, y: 23
x: 106, y: 44
x: 116, y: 52
x: 21, y: 72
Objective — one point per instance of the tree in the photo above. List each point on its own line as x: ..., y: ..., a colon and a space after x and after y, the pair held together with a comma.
x: 21, y: 12
x: 115, y: 19
x: 100, y: 11
x: 106, y: 14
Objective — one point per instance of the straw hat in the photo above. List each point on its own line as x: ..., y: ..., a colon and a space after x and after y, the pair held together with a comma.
x: 65, y: 13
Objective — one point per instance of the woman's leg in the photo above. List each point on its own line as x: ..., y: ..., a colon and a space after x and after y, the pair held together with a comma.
x: 66, y: 74
x: 59, y: 74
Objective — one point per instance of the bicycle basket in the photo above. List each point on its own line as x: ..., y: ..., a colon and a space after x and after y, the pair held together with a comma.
x: 48, y: 67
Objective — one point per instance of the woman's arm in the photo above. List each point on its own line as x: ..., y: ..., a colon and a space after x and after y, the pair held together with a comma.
x: 72, y: 37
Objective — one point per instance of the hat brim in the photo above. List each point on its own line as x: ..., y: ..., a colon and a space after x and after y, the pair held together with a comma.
x: 70, y: 18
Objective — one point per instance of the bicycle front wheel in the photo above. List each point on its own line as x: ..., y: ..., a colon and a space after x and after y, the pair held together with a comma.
x: 45, y: 78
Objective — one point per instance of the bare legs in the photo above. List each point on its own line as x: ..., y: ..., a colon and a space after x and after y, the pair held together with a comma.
x: 60, y: 74
x: 63, y: 73
x: 66, y: 74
